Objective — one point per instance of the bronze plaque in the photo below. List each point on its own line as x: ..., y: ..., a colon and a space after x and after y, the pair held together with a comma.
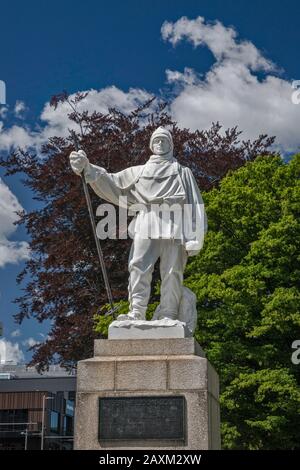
x: 143, y: 417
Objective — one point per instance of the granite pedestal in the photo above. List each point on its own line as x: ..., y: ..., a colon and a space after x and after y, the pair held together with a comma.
x: 147, y: 394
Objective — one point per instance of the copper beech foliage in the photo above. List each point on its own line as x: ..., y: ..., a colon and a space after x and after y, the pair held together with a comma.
x: 62, y: 279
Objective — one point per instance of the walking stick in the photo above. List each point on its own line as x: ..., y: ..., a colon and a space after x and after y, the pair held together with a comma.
x: 113, y: 308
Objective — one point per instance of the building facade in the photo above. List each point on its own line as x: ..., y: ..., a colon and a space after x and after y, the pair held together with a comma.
x: 36, y: 411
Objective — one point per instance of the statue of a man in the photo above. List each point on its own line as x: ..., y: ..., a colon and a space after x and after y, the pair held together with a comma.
x: 161, y: 183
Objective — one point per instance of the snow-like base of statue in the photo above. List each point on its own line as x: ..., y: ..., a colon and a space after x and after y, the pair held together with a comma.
x: 143, y: 329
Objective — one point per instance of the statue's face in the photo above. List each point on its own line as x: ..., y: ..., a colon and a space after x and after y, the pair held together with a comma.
x: 161, y: 145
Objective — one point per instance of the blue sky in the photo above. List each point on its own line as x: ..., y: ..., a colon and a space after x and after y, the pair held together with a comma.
x: 235, y: 65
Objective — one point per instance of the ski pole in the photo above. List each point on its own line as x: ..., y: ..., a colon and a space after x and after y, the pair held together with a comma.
x: 113, y: 308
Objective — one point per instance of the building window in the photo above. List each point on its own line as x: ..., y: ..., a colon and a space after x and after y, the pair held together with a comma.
x: 13, y: 417
x: 69, y: 410
x: 54, y: 421
x: 68, y: 426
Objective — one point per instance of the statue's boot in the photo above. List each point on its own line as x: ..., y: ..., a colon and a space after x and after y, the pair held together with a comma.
x: 131, y: 316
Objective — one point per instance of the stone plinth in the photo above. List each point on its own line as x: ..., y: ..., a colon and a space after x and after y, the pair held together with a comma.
x: 171, y: 367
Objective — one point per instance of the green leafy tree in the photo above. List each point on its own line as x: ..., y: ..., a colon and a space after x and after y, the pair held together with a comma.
x: 247, y: 281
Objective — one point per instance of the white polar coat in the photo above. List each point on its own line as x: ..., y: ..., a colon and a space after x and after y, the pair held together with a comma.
x: 155, y: 183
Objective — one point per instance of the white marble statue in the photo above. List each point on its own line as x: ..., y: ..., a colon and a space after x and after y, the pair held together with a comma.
x: 162, y: 180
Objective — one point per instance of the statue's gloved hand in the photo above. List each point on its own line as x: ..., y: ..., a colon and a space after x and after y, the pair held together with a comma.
x: 79, y: 161
x: 192, y: 247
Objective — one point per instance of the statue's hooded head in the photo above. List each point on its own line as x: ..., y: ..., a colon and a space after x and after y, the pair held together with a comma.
x: 161, y: 142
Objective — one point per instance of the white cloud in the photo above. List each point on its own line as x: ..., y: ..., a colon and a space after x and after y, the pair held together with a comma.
x: 188, y: 77
x: 231, y: 92
x: 55, y: 122
x: 19, y: 108
x: 221, y: 40
x: 13, y: 252
x: 16, y: 333
x: 10, y: 251
x: 10, y: 352
x: 3, y: 111
x: 243, y: 87
x: 17, y: 136
x: 29, y: 342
